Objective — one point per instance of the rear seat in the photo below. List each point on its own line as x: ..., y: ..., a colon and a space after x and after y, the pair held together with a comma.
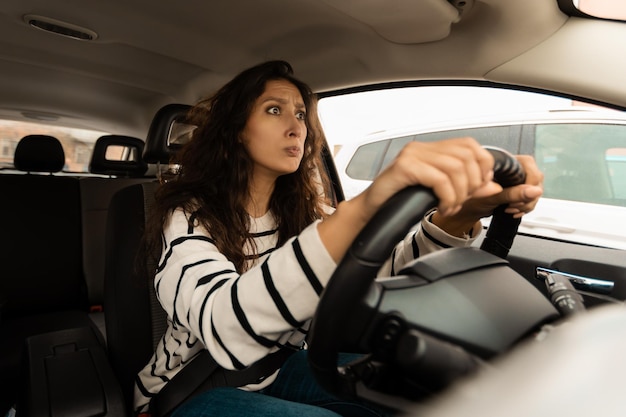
x: 42, y: 285
x: 52, y: 246
x: 41, y: 228
x: 96, y: 193
x: 75, y: 351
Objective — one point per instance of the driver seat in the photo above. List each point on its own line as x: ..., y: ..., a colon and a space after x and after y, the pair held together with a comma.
x: 135, y: 321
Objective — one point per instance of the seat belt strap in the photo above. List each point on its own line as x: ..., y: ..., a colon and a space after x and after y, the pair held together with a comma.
x: 203, y: 373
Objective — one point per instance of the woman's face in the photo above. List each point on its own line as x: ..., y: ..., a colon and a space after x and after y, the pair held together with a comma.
x: 275, y: 131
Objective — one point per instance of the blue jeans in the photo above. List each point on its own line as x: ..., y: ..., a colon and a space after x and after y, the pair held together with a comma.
x: 294, y: 393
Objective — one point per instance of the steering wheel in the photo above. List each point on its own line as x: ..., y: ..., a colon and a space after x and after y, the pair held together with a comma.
x: 352, y: 283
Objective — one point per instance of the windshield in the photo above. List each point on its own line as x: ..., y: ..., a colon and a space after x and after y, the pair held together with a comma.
x: 606, y: 9
x: 580, y: 148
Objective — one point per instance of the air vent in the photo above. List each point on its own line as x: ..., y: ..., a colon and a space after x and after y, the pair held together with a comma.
x: 60, y: 28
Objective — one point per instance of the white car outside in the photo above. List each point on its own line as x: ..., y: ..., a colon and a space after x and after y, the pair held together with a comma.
x: 582, y: 152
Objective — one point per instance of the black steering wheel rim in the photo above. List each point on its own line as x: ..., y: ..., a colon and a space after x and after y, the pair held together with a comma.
x: 357, y: 270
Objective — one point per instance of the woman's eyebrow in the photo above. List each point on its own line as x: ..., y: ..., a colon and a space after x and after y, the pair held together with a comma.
x: 299, y: 105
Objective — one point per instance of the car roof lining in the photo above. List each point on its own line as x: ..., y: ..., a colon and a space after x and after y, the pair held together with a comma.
x: 128, y: 73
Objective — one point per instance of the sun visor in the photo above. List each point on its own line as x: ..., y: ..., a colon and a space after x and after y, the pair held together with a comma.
x: 405, y: 21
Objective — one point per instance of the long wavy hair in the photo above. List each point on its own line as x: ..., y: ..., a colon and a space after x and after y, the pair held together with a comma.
x: 215, y: 170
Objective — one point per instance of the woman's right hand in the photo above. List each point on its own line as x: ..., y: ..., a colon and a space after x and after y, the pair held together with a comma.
x: 455, y: 169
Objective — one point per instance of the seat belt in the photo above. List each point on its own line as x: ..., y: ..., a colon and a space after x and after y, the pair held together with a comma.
x: 203, y: 373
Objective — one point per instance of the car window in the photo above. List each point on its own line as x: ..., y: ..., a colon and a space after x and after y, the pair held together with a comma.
x: 605, y: 9
x: 367, y: 160
x: 580, y: 148
x: 616, y: 163
x: 77, y: 143
x: 581, y: 161
x: 371, y: 158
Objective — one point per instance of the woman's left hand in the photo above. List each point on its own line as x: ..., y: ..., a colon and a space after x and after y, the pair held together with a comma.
x: 520, y: 199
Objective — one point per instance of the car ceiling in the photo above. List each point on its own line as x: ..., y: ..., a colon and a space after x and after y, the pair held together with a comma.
x: 151, y: 53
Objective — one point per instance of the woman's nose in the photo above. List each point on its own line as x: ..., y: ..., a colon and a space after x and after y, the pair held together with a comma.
x: 296, y: 127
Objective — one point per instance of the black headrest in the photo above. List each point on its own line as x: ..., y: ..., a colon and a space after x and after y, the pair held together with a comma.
x: 124, y: 156
x: 158, y: 148
x: 39, y: 153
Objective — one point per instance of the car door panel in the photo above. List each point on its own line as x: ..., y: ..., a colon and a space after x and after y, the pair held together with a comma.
x: 530, y: 252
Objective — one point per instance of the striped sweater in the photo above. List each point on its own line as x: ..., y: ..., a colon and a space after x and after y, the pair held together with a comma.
x: 241, y: 318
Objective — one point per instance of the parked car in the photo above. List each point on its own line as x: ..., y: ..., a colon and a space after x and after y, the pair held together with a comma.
x: 89, y: 91
x: 581, y: 151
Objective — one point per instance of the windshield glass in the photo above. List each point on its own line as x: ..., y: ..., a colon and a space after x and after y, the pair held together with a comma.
x: 606, y: 9
x: 580, y: 148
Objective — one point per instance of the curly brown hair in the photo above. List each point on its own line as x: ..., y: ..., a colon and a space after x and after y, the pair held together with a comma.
x: 214, y: 171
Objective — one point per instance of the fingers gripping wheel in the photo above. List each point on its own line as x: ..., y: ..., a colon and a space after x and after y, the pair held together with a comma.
x: 506, y: 169
x: 356, y: 272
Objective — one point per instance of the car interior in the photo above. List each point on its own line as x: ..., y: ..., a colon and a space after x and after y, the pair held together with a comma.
x: 78, y: 321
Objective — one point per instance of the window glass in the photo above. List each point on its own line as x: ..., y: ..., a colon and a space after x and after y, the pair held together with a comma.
x: 606, y: 9
x: 365, y: 163
x: 395, y: 146
x: 490, y: 136
x: 121, y: 153
x: 616, y: 162
x: 77, y: 143
x: 580, y: 161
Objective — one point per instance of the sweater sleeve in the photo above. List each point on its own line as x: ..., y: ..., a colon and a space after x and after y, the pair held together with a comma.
x: 239, y: 318
x: 425, y: 238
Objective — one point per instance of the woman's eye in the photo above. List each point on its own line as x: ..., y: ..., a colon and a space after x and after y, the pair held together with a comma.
x: 273, y: 110
x: 301, y: 115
